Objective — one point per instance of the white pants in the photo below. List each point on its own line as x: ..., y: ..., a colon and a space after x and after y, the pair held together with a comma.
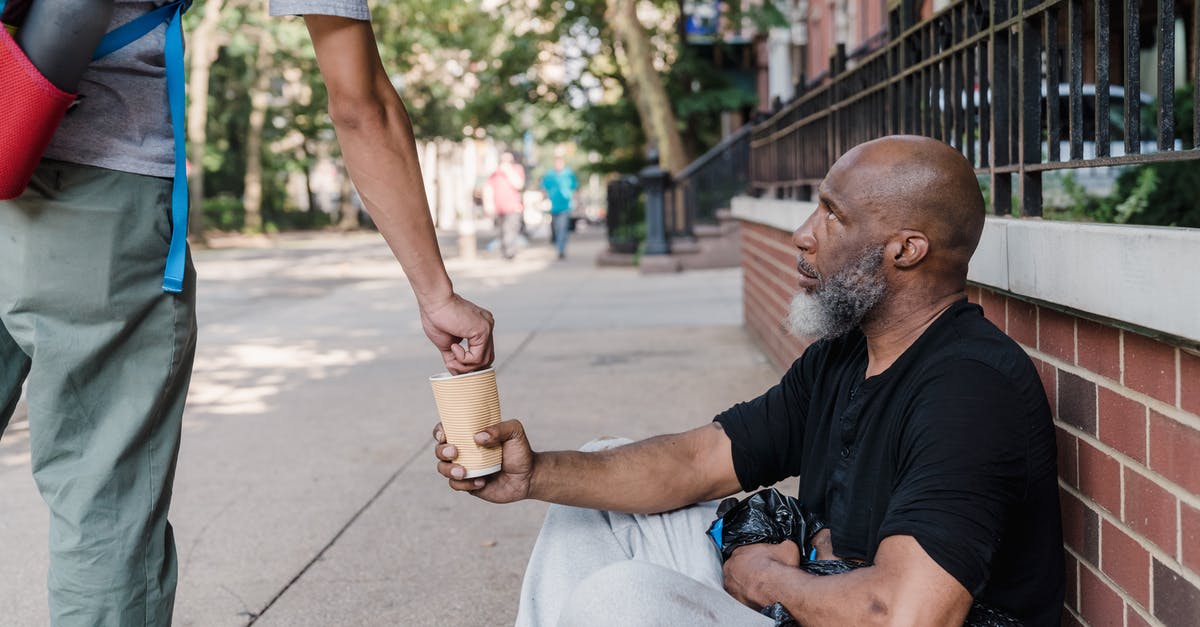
x: 591, y: 567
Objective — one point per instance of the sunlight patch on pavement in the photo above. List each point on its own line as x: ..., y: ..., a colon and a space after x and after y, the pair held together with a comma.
x: 383, y: 285
x: 15, y: 440
x: 358, y: 270
x: 526, y: 262
x: 15, y: 459
x: 246, y: 377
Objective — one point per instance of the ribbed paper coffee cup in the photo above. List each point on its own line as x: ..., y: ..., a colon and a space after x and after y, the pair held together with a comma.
x: 469, y: 403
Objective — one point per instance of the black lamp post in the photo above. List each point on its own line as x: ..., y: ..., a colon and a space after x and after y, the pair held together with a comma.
x: 654, y: 181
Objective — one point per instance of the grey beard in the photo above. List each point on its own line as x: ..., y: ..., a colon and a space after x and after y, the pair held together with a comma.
x: 842, y: 301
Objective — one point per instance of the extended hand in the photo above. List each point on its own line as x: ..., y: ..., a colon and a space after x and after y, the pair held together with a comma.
x: 454, y: 320
x: 750, y: 567
x: 508, y: 485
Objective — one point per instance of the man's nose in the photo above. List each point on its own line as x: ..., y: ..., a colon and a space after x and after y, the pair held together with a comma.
x: 803, y: 236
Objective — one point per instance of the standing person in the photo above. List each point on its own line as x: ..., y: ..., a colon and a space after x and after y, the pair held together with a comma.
x: 920, y: 434
x: 89, y: 322
x: 504, y: 189
x: 560, y: 185
x: 106, y: 344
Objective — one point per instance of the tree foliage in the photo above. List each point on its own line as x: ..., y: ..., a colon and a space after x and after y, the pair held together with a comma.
x: 515, y: 70
x: 1156, y: 194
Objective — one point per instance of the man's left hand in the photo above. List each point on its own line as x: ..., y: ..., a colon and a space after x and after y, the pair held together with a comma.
x: 454, y: 320
x: 751, y: 567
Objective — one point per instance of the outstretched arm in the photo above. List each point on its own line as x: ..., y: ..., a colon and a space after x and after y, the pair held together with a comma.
x: 376, y: 136
x: 655, y: 475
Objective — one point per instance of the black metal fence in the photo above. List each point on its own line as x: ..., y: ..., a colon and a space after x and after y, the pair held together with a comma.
x: 708, y: 183
x: 1021, y: 87
x: 626, y: 215
x: 691, y: 197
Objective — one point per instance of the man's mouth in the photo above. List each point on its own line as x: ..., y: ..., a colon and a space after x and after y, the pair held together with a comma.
x: 809, y: 277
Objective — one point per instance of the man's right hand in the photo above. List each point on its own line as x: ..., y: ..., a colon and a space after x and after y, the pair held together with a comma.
x: 511, y: 484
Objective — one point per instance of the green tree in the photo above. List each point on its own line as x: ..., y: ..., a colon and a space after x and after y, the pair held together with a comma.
x: 554, y: 68
x: 614, y: 123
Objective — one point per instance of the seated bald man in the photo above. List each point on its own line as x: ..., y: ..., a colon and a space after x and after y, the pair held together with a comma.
x: 920, y: 434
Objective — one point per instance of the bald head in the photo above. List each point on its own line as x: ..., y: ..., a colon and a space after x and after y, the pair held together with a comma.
x: 912, y: 182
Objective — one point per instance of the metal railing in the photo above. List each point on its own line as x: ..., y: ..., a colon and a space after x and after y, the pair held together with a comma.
x: 626, y: 215
x: 1004, y: 82
x: 708, y: 183
x: 691, y: 197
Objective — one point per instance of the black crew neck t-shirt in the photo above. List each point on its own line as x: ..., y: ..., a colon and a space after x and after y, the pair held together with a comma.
x: 952, y: 445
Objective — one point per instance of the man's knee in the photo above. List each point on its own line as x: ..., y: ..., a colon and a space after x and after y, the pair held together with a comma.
x: 635, y: 594
x: 618, y: 594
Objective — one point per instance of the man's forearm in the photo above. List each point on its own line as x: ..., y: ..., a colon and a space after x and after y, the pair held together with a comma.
x: 651, y: 476
x: 852, y: 598
x: 388, y: 177
x: 907, y: 588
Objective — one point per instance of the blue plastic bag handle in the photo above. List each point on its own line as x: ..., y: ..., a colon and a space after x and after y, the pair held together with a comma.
x: 172, y: 14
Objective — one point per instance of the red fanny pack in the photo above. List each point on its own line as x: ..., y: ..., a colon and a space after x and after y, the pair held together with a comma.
x: 30, y: 111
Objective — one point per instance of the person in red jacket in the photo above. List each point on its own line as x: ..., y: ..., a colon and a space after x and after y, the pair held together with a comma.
x: 503, y: 194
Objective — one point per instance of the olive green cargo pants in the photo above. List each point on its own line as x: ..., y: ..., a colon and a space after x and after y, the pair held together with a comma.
x: 107, y: 355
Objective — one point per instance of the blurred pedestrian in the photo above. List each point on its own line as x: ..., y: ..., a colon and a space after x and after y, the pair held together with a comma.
x: 503, y: 194
x: 560, y: 185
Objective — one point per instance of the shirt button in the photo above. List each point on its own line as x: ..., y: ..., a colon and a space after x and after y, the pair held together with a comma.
x: 845, y: 451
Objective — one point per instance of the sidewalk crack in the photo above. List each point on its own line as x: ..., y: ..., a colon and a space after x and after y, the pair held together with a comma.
x: 321, y: 554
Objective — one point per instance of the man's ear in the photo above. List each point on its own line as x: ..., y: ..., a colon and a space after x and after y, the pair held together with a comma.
x: 907, y: 248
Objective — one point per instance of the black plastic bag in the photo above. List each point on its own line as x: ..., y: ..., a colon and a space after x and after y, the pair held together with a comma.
x: 769, y: 517
x: 766, y: 517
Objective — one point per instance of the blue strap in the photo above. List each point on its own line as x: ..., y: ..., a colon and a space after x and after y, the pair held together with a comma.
x: 134, y: 29
x: 2, y: 3
x: 118, y: 38
x: 177, y: 254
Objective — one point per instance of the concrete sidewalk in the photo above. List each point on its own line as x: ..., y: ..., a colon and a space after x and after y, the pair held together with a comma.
x: 306, y: 492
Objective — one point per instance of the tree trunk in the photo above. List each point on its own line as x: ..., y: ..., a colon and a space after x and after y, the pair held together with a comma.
x: 649, y: 93
x: 307, y: 159
x: 204, y: 43
x: 631, y: 89
x: 312, y: 196
x: 349, y: 218
x: 260, y: 99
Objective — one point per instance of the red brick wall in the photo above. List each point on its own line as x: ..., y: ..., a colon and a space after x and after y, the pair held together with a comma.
x: 1127, y: 409
x: 1128, y: 414
x: 821, y: 38
x: 769, y: 278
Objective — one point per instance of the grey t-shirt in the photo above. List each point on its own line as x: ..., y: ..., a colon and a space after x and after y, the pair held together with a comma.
x: 122, y: 123
x: 354, y: 9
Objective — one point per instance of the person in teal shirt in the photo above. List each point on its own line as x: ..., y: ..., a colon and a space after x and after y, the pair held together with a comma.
x: 560, y: 185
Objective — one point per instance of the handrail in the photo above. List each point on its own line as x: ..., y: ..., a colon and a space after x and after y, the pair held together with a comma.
x: 714, y: 152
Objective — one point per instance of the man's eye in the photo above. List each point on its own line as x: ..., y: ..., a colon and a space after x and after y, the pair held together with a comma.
x: 829, y: 215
